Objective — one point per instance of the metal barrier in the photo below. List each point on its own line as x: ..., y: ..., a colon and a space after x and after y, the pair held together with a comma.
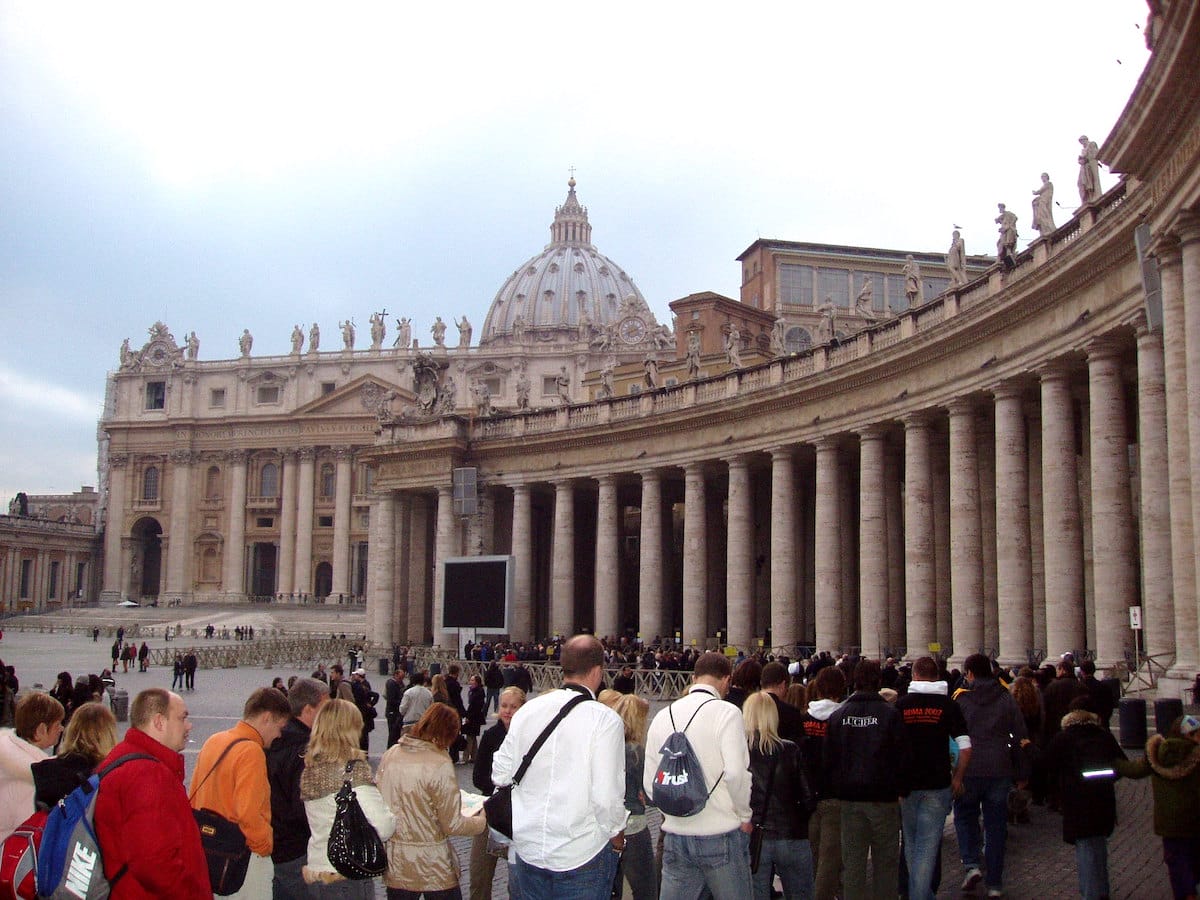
x: 266, y: 654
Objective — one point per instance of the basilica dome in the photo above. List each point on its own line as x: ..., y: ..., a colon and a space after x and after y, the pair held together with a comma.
x: 568, y: 288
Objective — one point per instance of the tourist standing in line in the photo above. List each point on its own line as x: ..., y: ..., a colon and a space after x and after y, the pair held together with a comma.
x: 483, y: 863
x: 826, y: 692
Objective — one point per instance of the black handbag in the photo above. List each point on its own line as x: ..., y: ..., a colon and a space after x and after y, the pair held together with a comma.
x: 756, y: 836
x: 223, y: 842
x: 354, y: 848
x: 498, y: 807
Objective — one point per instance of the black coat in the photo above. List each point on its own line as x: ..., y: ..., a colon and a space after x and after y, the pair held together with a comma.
x: 1089, y: 805
x: 57, y: 776
x: 289, y: 822
x: 866, y: 751
x: 476, y: 711
x: 791, y: 721
x: 784, y: 814
x: 481, y: 775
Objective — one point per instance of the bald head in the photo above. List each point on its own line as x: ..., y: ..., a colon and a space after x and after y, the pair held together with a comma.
x: 582, y: 660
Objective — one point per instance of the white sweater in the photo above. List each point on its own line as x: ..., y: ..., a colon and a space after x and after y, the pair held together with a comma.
x: 320, y: 814
x: 16, y: 780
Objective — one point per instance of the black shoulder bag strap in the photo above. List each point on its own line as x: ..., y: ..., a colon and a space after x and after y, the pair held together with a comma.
x: 541, y: 738
x: 196, y: 789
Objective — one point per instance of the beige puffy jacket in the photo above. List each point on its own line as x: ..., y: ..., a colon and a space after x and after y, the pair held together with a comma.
x: 418, y: 784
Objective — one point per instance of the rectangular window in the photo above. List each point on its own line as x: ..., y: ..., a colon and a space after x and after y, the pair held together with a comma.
x: 549, y: 386
x: 327, y: 387
x: 264, y: 522
x: 26, y: 577
x: 796, y: 284
x: 156, y: 395
x: 671, y: 382
x: 268, y: 395
x: 835, y: 285
x: 493, y: 386
x: 216, y: 398
x: 80, y: 570
x: 325, y: 521
x: 53, y: 591
x: 935, y: 287
x: 895, y: 293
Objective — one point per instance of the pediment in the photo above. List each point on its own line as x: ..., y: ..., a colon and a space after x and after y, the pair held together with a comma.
x: 362, y: 396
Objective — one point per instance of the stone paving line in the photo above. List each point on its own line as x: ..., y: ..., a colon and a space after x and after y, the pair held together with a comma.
x: 1039, y: 864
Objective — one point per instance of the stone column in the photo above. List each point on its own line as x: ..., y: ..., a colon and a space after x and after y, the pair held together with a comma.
x: 114, y: 528
x: 1112, y: 513
x: 287, y: 525
x: 179, y: 551
x: 1188, y: 229
x: 872, y: 542
x: 966, y: 552
x: 402, y: 536
x: 695, y: 556
x: 1014, y: 578
x: 784, y: 597
x: 445, y: 546
x: 522, y: 544
x: 894, y: 512
x: 939, y: 492
x: 919, y: 615
x: 381, y: 599
x: 419, y: 629
x: 650, y: 560
x: 1158, y: 619
x: 1183, y: 572
x: 828, y: 547
x: 1037, y: 530
x: 607, y: 558
x: 562, y: 564
x: 986, y: 457
x: 233, y: 575
x: 342, y: 498
x: 302, y: 582
x: 739, y: 556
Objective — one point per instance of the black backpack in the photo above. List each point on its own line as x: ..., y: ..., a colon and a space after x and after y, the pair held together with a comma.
x: 679, y: 784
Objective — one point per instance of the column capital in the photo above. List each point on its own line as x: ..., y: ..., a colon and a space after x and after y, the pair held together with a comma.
x: 736, y: 461
x: 1055, y: 370
x: 875, y: 432
x: 306, y: 454
x: 1104, y: 348
x: 287, y: 454
x: 1187, y: 226
x: 343, y: 453
x: 827, y: 443
x: 606, y: 480
x: 563, y: 484
x: 118, y: 460
x: 648, y: 474
x: 445, y: 490
x: 1007, y: 390
x: 182, y: 456
x: 784, y: 452
x: 961, y: 406
x: 921, y: 419
x: 236, y: 457
x: 1165, y: 247
x: 520, y: 487
x: 1146, y: 336
x: 695, y: 469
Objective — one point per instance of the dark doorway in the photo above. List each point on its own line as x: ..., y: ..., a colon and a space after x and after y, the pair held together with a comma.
x: 263, y: 572
x: 324, y: 584
x: 145, y: 568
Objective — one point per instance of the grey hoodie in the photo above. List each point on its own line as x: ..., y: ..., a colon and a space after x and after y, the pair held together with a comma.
x: 995, y: 725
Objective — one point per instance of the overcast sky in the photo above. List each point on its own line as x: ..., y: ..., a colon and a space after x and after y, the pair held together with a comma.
x: 255, y: 165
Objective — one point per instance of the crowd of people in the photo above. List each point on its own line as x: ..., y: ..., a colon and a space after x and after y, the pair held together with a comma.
x: 835, y: 776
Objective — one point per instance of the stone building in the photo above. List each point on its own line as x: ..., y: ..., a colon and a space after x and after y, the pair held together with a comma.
x: 49, y: 552
x: 1005, y: 466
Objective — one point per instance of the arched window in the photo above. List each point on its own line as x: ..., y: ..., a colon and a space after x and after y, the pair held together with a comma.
x: 150, y: 483
x: 269, y: 482
x: 212, y: 483
x: 327, y: 480
x: 797, y: 340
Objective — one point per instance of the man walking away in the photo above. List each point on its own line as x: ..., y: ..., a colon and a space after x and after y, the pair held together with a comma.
x: 866, y: 754
x: 393, y: 694
x: 142, y: 819
x: 285, y: 762
x: 791, y: 719
x: 931, y: 721
x: 190, y: 664
x: 709, y: 849
x: 238, y: 788
x: 569, y: 808
x: 992, y: 716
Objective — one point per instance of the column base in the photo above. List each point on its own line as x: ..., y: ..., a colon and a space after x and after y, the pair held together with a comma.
x: 1178, y: 681
x: 110, y: 598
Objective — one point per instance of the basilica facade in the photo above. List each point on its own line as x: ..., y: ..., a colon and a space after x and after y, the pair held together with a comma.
x: 1003, y: 464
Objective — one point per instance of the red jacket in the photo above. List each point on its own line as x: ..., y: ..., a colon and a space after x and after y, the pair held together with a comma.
x: 143, y: 820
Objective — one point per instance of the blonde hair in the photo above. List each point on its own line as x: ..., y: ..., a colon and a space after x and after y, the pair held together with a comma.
x: 513, y: 691
x: 92, y: 732
x: 335, y: 733
x: 762, y: 722
x: 632, y: 709
x: 609, y: 697
x: 437, y: 687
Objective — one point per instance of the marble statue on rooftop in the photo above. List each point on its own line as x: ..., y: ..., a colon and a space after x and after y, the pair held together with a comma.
x: 864, y: 305
x: 193, y: 346
x: 464, y: 333
x: 650, y: 378
x: 1089, y: 171
x: 438, y: 330
x: 733, y: 348
x: 297, y: 340
x: 483, y: 399
x: 403, y: 333
x: 523, y: 387
x: 1043, y: 207
x: 518, y: 329
x: 662, y: 337
x: 1006, y: 244
x: 562, y: 381
x: 378, y: 330
x: 314, y: 338
x: 126, y: 354
x: 827, y: 327
x: 347, y: 334
x: 779, y: 337
x: 956, y: 259
x: 246, y: 342
x: 607, y: 388
x: 912, y: 281
x: 693, y: 355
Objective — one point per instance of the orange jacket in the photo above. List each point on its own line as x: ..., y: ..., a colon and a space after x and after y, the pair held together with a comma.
x: 238, y: 789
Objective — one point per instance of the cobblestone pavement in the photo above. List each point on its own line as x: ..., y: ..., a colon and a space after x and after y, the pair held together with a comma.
x: 1039, y: 864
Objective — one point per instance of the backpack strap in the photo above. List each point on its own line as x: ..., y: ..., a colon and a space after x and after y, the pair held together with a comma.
x: 541, y: 738
x: 671, y: 714
x: 196, y: 789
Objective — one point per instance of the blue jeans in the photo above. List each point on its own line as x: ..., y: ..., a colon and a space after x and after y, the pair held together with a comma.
x: 492, y: 699
x: 288, y: 883
x: 1091, y: 858
x: 637, y: 866
x: 591, y: 881
x: 923, y: 817
x: 793, y: 860
x: 718, y: 862
x: 990, y: 795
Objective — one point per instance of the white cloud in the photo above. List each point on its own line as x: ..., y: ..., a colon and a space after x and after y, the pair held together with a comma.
x: 47, y: 400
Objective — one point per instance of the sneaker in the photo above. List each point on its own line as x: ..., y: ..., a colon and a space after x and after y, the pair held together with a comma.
x: 974, y: 876
x: 995, y: 892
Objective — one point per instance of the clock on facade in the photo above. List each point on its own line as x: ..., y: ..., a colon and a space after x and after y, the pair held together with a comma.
x: 632, y: 330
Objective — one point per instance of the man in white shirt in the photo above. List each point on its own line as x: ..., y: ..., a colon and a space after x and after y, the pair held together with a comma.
x: 711, y: 848
x: 569, y: 807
